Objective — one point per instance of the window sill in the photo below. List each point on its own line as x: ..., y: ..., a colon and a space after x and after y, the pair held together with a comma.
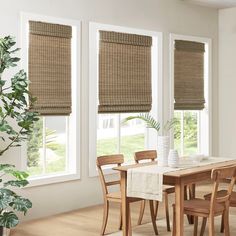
x: 51, y: 179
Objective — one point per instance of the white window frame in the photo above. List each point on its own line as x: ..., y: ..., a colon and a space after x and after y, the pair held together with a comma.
x: 182, y: 115
x: 157, y: 85
x: 118, y: 131
x: 74, y: 119
x: 205, y: 121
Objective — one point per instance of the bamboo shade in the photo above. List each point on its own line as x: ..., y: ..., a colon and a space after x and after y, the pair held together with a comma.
x: 50, y: 67
x: 124, y: 73
x: 189, y: 75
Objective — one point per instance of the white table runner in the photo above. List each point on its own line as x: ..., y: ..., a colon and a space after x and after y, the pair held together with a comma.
x: 147, y: 182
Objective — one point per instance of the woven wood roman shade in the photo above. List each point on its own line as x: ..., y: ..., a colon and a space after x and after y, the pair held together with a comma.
x: 189, y: 75
x: 50, y: 67
x: 124, y: 73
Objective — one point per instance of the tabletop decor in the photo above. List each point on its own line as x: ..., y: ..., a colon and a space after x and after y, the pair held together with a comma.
x: 163, y: 141
x: 16, y: 121
x: 173, y: 158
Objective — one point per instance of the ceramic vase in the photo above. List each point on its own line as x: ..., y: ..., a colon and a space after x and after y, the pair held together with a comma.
x: 173, y: 158
x: 163, y: 147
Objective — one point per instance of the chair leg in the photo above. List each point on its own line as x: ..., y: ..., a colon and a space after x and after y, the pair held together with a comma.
x: 226, y: 223
x: 105, y: 217
x: 174, y: 222
x: 130, y: 223
x: 211, y: 226
x: 142, y: 208
x: 120, y: 227
x: 222, y: 224
x: 191, y: 189
x: 186, y: 187
x: 195, y: 225
x: 167, y: 212
x: 153, y: 217
x: 204, y: 221
x: 156, y: 208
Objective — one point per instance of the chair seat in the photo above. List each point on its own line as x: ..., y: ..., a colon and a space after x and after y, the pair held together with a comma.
x: 114, y: 195
x: 201, y: 206
x: 223, y: 193
x: 168, y: 189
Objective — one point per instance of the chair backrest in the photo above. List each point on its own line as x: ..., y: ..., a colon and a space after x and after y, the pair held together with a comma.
x: 145, y: 155
x: 219, y: 175
x: 116, y: 160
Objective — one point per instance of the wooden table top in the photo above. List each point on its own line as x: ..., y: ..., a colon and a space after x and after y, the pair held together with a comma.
x: 181, y: 173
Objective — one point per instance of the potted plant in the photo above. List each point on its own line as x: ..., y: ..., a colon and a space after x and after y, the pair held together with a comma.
x: 16, y: 122
x: 163, y: 141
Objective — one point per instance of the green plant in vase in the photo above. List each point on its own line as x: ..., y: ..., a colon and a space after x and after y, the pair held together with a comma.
x: 16, y: 122
x: 163, y: 143
x: 151, y: 122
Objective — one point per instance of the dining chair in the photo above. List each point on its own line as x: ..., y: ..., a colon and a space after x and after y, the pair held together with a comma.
x: 223, y: 193
x: 215, y: 206
x: 109, y: 196
x: 151, y: 155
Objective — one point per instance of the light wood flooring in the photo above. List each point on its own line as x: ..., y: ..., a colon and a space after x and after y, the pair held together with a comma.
x: 87, y: 222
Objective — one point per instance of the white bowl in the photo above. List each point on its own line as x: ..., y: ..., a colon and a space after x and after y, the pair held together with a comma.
x: 205, y: 157
x: 197, y: 157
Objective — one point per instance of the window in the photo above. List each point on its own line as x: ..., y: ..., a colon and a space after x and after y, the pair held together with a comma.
x: 115, y: 137
x: 107, y: 133
x: 186, y: 132
x: 51, y: 154
x: 47, y: 148
x: 191, y: 133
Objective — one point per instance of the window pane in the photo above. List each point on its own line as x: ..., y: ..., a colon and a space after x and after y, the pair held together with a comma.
x: 190, y: 132
x: 55, y: 141
x: 132, y: 137
x: 34, y: 149
x: 177, y: 131
x: 107, y: 134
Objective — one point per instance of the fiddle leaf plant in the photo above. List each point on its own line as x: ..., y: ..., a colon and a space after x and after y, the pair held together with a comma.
x: 16, y: 123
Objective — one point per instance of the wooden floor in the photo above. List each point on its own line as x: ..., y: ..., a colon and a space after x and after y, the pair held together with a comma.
x: 87, y: 222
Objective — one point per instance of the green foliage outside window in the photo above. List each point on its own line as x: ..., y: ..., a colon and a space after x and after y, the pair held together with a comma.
x: 190, y: 128
x: 35, y: 151
x: 35, y: 141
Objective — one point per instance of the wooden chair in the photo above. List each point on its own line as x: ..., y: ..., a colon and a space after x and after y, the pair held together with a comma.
x: 152, y: 155
x: 223, y: 193
x: 115, y: 196
x: 215, y: 206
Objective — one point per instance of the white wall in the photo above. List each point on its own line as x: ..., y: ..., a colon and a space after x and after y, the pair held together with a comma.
x: 168, y: 16
x: 227, y: 82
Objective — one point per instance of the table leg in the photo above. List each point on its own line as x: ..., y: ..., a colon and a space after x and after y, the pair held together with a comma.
x: 179, y: 203
x: 125, y: 206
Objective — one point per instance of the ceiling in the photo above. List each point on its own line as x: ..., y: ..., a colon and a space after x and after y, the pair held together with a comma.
x: 214, y: 3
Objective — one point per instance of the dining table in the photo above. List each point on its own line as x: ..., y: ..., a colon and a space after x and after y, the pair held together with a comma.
x: 179, y: 179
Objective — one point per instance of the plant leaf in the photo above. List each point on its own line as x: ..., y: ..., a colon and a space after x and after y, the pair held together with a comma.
x: 8, y: 219
x: 148, y: 119
x: 5, y: 200
x: 6, y: 166
x: 16, y: 183
x: 21, y: 204
x: 169, y: 124
x: 20, y: 175
x: 5, y: 191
